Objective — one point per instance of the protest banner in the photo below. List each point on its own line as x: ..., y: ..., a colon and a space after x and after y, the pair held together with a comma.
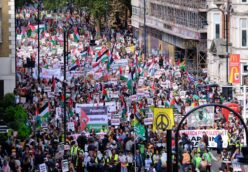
x: 58, y: 112
x: 201, y: 117
x: 92, y: 116
x: 163, y: 119
x: 196, y: 135
x: 148, y: 121
x: 115, y: 121
x: 50, y: 73
x: 42, y: 167
x: 111, y: 107
x: 47, y: 89
x: 118, y: 63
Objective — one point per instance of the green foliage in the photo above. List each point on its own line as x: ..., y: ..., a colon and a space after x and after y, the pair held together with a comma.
x: 97, y: 8
x: 13, y: 113
x: 15, y: 116
x: 8, y: 100
x: 54, y: 4
x: 24, y: 131
x: 3, y: 137
x: 20, y: 3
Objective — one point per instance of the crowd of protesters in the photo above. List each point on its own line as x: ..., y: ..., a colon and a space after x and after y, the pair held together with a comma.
x: 166, y: 83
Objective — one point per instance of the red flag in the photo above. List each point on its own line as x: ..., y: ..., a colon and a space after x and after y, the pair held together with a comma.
x: 84, y: 119
x: 153, y: 86
x: 32, y: 27
x: 134, y: 108
x: 78, y: 62
x: 101, y: 51
x: 120, y: 69
x: 70, y: 103
x: 37, y: 111
x: 106, y: 77
x: 62, y: 98
x: 178, y: 62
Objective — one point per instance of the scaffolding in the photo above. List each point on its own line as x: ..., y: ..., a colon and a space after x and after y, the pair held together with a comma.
x: 190, y: 15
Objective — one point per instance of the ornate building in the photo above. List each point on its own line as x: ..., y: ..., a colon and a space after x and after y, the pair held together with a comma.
x: 7, y: 46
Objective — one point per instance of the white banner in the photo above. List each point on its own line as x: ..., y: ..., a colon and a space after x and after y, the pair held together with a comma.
x: 148, y: 121
x: 115, y: 122
x: 58, y: 112
x: 70, y: 126
x: 196, y: 135
x: 98, y: 119
x: 50, y: 73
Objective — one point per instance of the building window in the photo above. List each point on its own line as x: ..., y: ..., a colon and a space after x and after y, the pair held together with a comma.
x: 244, y: 1
x: 243, y: 28
x: 217, y: 26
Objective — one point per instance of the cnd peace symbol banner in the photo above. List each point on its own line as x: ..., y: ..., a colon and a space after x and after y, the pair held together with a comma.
x: 163, y: 119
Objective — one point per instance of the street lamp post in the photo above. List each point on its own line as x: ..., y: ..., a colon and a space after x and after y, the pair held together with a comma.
x: 145, y: 28
x: 38, y: 40
x: 227, y: 38
x: 64, y: 83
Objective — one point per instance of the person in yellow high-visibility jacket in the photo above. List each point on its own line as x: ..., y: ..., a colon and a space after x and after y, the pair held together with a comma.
x: 80, y: 162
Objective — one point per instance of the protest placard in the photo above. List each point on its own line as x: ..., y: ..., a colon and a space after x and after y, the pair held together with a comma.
x: 196, y: 135
x: 42, y: 167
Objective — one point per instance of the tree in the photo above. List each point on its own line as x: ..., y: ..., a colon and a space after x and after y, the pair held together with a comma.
x: 20, y: 3
x: 15, y: 116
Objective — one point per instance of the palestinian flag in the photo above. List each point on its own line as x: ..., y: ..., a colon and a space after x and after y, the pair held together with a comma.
x: 124, y: 107
x: 122, y: 77
x: 105, y: 58
x: 84, y: 54
x: 101, y: 57
x: 101, y: 52
x: 130, y: 81
x: 44, y: 111
x: 172, y: 103
x: 104, y: 93
x: 43, y: 115
x: 76, y: 36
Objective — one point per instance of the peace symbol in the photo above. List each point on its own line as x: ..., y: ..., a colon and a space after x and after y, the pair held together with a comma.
x: 162, y: 121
